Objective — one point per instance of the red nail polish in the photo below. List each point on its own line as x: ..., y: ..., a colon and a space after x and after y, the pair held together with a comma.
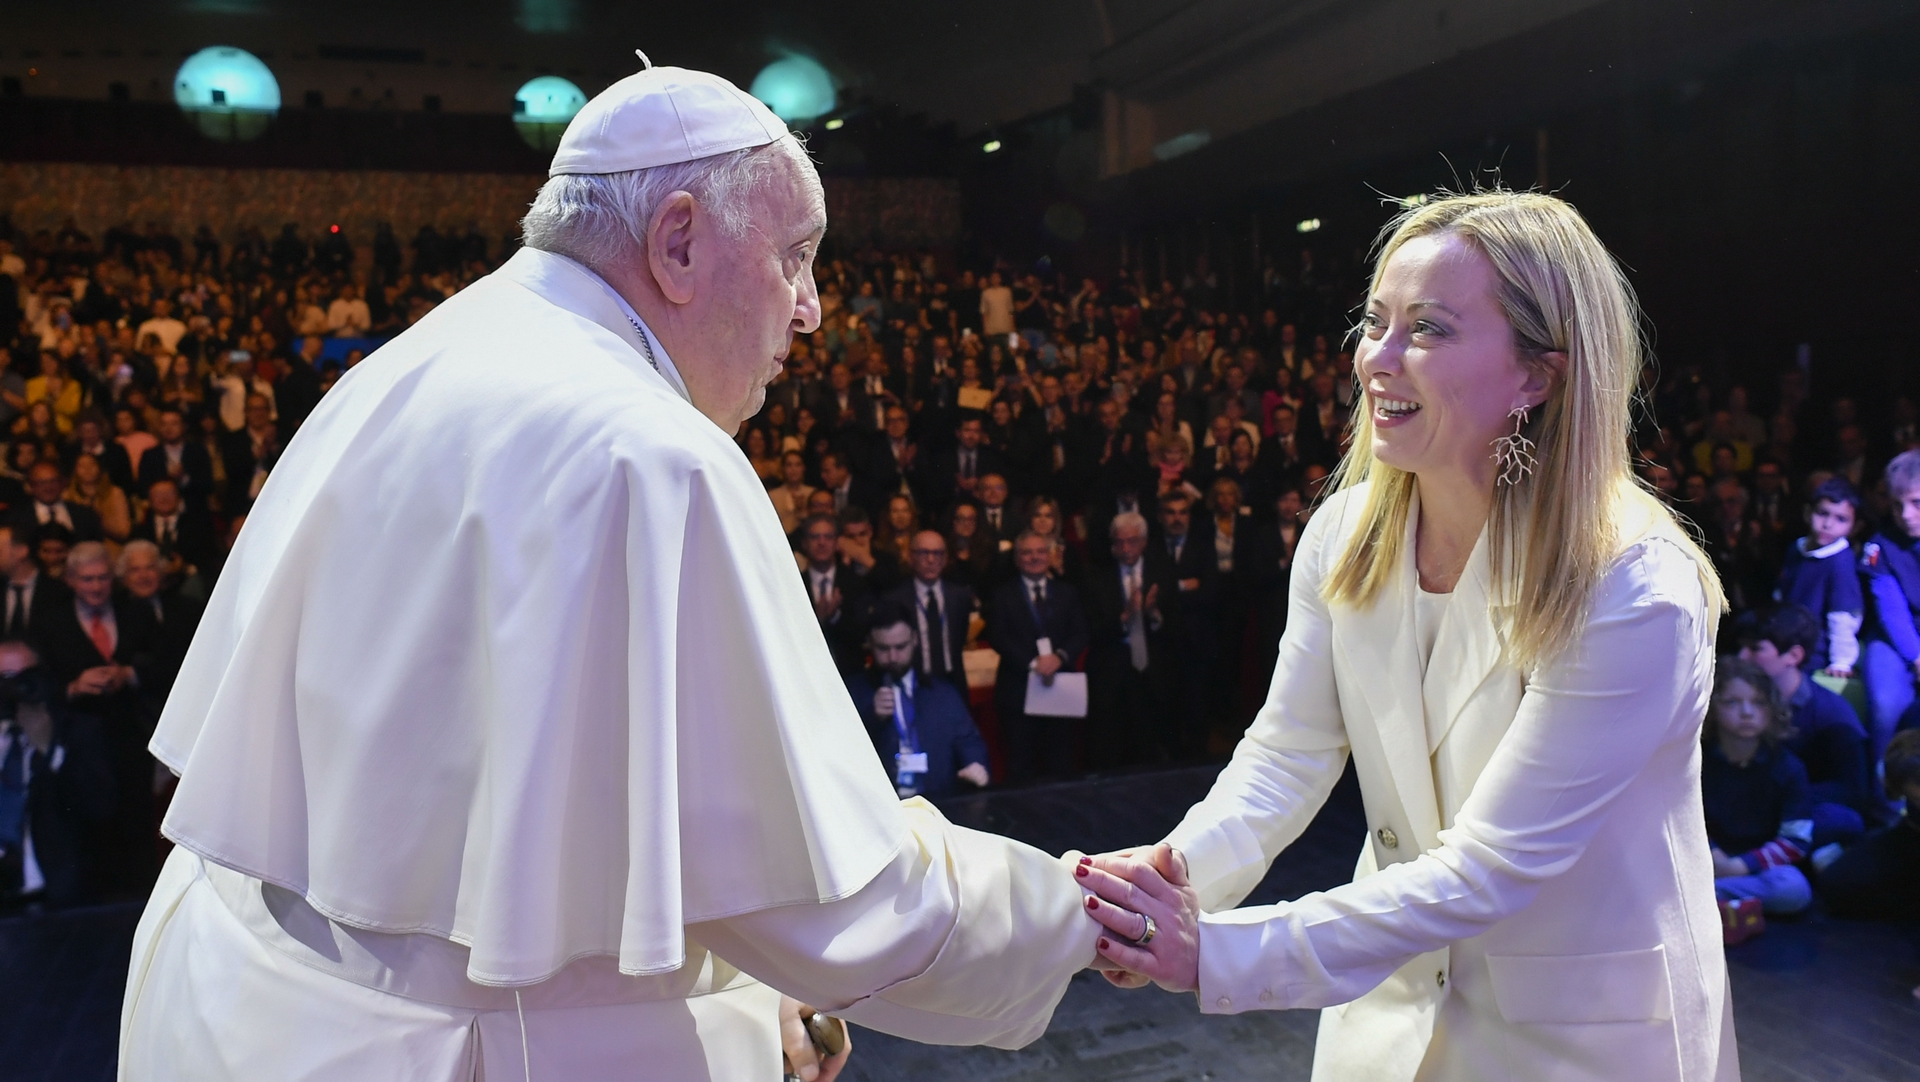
x: 1103, y: 944
x: 1092, y: 902
x: 1081, y: 872
x: 1086, y: 860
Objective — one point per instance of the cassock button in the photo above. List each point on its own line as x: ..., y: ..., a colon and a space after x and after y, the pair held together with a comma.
x: 1223, y: 1002
x: 1388, y: 839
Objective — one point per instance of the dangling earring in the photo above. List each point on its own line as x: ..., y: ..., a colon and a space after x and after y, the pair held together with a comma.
x: 1514, y: 454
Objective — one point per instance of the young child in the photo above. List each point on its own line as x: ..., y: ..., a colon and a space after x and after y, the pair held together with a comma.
x: 1826, y: 737
x: 1755, y: 795
x: 1820, y: 576
x: 1890, y: 563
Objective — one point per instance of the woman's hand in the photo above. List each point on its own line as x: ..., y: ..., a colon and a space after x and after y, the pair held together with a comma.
x: 803, y: 1059
x: 1132, y: 887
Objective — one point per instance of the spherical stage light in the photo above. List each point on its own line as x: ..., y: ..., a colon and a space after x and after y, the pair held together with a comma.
x: 227, y: 92
x: 542, y: 108
x: 795, y: 87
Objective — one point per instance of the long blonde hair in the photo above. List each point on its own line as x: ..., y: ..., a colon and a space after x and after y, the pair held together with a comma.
x: 1552, y: 535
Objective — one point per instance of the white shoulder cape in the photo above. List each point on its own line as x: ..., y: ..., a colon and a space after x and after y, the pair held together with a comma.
x: 511, y: 651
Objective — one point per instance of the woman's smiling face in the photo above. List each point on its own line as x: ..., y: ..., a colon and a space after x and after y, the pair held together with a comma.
x: 1438, y: 361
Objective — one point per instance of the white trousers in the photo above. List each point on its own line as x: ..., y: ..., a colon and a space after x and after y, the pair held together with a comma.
x: 235, y: 982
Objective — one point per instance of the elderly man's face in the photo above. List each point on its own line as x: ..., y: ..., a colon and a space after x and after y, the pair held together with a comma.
x: 929, y: 555
x: 142, y: 576
x: 1128, y: 543
x: 741, y: 300
x: 1033, y: 555
x: 92, y: 581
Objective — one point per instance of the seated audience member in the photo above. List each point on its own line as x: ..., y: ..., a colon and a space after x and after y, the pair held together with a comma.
x: 178, y: 459
x: 56, y: 788
x: 1754, y: 792
x: 879, y: 567
x: 941, y: 609
x: 1890, y: 563
x: 1826, y: 735
x: 841, y: 598
x: 1038, y: 626
x: 91, y: 487
x: 184, y: 538
x: 1822, y: 576
x: 1879, y: 878
x: 969, y: 558
x: 790, y: 495
x: 90, y: 438
x: 100, y: 654
x: 51, y: 544
x: 997, y: 526
x: 919, y: 723
x: 47, y: 504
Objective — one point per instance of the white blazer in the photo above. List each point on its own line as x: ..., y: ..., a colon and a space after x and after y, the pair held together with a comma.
x: 1534, y: 900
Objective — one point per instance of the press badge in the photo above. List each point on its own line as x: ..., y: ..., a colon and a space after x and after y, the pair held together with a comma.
x: 914, y: 762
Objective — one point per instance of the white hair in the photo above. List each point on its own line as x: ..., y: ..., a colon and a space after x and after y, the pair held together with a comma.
x: 89, y: 552
x: 1128, y: 521
x: 601, y: 218
x: 132, y: 549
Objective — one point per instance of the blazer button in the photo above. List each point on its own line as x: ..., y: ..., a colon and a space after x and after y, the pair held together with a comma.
x: 1388, y: 839
x: 1266, y: 995
x: 1223, y: 1002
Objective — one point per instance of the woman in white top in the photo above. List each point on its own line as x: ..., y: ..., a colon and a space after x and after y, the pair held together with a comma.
x: 1514, y: 643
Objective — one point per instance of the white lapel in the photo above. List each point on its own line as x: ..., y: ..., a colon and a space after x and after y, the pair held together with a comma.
x: 1467, y: 648
x: 1380, y: 649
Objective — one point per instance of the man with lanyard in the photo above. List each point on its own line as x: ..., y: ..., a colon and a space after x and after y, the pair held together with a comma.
x: 919, y: 724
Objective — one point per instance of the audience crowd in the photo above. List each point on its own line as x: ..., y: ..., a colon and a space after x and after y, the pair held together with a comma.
x: 1046, y: 526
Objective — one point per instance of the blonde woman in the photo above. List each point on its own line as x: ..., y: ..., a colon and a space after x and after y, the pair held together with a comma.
x: 90, y: 487
x: 1513, y: 643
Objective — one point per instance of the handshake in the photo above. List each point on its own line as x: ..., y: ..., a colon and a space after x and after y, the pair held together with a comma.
x: 1151, y: 913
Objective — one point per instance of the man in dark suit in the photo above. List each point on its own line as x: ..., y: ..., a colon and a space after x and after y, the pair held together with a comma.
x: 184, y: 538
x: 101, y: 654
x: 45, y: 484
x: 1038, y: 626
x: 30, y: 595
x: 298, y: 390
x: 1131, y: 670
x: 895, y: 458
x: 957, y: 471
x: 90, y: 438
x: 168, y: 618
x: 56, y: 788
x: 841, y: 598
x: 1322, y: 420
x: 997, y: 523
x: 848, y: 488
x: 919, y: 724
x: 940, y: 609
x: 250, y: 455
x: 175, y: 458
x: 1193, y: 610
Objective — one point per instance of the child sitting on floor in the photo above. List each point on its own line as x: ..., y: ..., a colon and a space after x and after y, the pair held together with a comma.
x: 1755, y: 794
x: 1827, y: 738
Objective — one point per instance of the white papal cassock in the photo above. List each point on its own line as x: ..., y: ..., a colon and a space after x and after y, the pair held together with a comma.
x: 509, y: 710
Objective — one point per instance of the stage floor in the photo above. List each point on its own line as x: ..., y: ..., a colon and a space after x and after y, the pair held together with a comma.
x: 1815, y: 999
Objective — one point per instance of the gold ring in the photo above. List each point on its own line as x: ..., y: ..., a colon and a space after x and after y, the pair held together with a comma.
x: 1146, y: 936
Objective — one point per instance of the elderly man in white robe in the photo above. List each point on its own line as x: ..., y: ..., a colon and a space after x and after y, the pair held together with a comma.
x: 509, y: 747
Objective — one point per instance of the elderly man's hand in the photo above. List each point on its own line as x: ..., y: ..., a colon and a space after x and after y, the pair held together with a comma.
x: 803, y: 1059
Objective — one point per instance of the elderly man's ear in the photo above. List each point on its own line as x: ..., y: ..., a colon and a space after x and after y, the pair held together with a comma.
x: 670, y: 246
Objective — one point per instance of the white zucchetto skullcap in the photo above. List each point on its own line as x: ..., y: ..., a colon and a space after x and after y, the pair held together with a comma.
x: 663, y: 116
